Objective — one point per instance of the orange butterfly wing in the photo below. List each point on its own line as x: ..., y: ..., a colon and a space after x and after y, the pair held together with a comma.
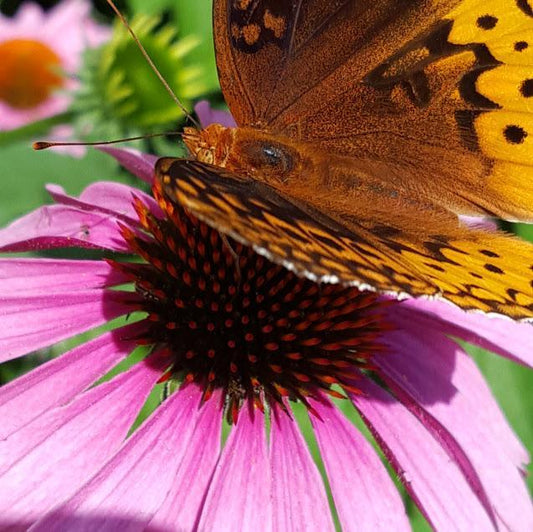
x: 273, y: 54
x: 390, y: 91
x: 464, y: 267
x: 415, y: 85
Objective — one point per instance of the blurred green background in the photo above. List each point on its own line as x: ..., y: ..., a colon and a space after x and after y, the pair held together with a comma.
x: 23, y: 174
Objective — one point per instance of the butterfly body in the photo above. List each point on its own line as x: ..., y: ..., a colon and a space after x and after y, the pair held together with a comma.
x: 365, y: 130
x: 340, y: 184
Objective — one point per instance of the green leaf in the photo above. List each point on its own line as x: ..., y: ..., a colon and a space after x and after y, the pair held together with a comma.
x: 525, y: 231
x: 194, y: 18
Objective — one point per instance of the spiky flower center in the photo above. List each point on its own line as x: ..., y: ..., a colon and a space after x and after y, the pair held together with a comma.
x: 29, y: 73
x: 233, y: 320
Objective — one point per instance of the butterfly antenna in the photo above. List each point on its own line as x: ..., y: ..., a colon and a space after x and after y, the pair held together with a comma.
x: 44, y: 145
x: 152, y: 64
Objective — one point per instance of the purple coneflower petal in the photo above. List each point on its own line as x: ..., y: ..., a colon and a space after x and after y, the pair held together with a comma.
x: 508, y: 338
x: 430, y: 475
x: 208, y: 115
x: 448, y: 375
x: 188, y: 489
x: 56, y: 226
x: 31, y: 322
x: 138, y: 163
x: 479, y: 222
x: 61, y: 379
x: 448, y: 394
x: 364, y: 494
x: 115, y: 199
x: 239, y: 496
x: 55, y: 453
x: 48, y: 276
x: 298, y: 494
x: 132, y: 486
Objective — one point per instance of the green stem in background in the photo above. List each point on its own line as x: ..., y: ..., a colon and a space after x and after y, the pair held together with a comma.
x: 35, y: 129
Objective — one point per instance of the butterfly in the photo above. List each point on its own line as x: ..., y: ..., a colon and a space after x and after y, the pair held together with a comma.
x: 365, y: 132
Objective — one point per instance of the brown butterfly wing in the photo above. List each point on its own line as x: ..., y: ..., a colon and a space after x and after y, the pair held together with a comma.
x: 273, y: 53
x: 439, y: 95
x: 463, y: 266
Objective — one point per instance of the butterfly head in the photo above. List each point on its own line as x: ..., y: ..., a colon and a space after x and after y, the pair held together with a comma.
x: 210, y: 145
x: 246, y: 151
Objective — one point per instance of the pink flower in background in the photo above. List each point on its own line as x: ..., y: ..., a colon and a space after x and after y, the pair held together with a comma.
x: 244, y: 347
x: 41, y: 53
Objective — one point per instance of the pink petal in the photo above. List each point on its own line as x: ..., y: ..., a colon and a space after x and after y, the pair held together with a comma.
x: 71, y: 20
x: 64, y: 14
x: 479, y: 222
x: 239, y: 495
x: 459, y: 409
x: 208, y: 115
x: 55, y: 226
x: 139, y: 164
x: 11, y: 118
x: 56, y: 453
x: 441, y: 372
x: 69, y: 31
x: 36, y: 321
x: 28, y: 14
x: 433, y: 479
x: 364, y: 494
x: 115, y: 199
x: 46, y: 276
x: 58, y: 381
x: 508, y: 338
x: 188, y: 488
x: 134, y: 483
x: 298, y: 494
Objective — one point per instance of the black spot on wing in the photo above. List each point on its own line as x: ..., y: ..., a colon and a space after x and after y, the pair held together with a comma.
x: 328, y: 242
x: 435, y: 267
x: 487, y: 22
x: 514, y: 134
x: 526, y: 89
x: 489, y: 253
x: 494, y: 269
x: 512, y: 293
x: 525, y: 7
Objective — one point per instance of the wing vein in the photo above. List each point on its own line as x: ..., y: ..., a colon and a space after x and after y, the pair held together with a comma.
x: 288, y: 56
x: 303, y: 44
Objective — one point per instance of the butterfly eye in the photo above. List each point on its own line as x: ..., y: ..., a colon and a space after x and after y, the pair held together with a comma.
x: 271, y: 161
x: 274, y: 156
